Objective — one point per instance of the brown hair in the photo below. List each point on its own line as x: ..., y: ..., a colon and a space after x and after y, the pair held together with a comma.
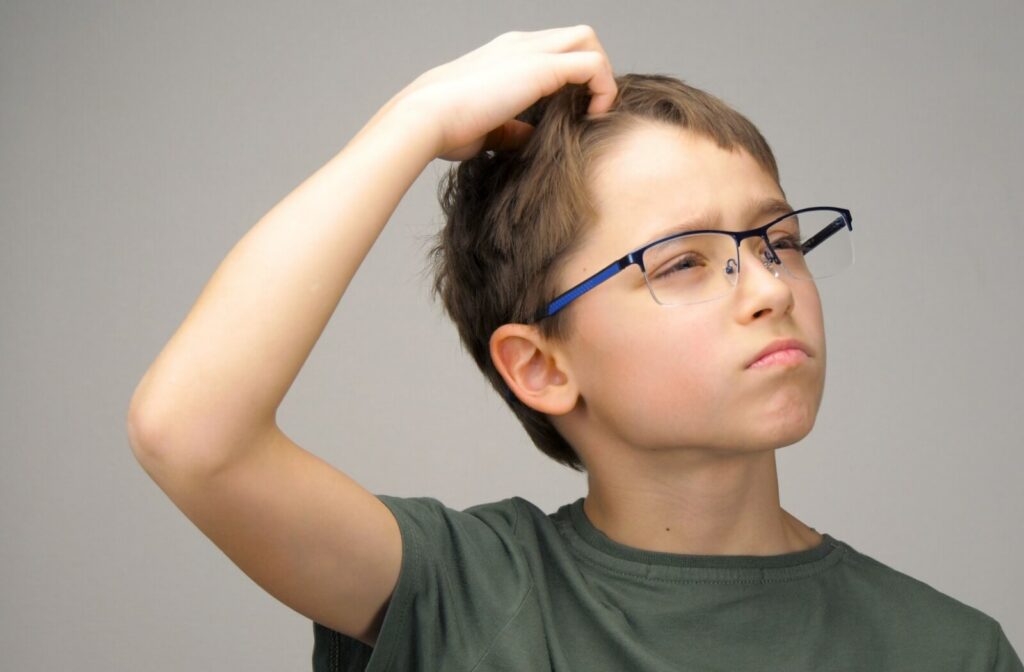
x: 513, y: 216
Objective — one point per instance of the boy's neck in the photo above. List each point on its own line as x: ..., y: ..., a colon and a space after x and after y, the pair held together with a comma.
x: 721, y: 506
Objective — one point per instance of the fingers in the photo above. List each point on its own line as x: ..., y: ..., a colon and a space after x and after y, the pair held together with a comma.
x: 571, y: 38
x: 579, y: 40
x: 474, y: 97
x: 593, y: 69
x: 604, y: 89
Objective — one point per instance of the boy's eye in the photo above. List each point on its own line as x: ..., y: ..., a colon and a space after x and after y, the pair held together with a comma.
x: 786, y: 242
x: 683, y: 263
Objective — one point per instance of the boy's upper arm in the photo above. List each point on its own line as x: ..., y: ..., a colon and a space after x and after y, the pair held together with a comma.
x: 301, y: 529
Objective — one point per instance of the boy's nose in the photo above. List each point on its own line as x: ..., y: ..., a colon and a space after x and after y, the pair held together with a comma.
x: 762, y: 289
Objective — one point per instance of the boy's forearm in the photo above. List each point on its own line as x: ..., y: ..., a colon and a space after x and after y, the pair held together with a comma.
x: 225, y: 371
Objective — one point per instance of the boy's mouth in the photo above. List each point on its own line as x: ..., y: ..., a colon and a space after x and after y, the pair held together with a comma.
x: 788, y: 357
x: 781, y: 351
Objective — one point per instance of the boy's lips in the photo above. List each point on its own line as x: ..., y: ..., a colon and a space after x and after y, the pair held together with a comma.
x: 780, y: 344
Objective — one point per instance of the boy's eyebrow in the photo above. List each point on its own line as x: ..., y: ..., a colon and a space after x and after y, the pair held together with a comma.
x: 758, y: 209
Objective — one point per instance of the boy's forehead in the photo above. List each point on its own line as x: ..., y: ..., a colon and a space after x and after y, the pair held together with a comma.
x: 658, y: 178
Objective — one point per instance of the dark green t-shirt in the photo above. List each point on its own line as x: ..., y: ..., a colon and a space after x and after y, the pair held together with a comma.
x: 505, y: 586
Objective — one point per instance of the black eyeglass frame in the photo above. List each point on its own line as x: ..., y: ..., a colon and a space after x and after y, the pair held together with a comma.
x: 845, y: 219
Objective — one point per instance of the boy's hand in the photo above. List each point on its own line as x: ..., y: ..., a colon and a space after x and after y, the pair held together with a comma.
x: 471, y: 102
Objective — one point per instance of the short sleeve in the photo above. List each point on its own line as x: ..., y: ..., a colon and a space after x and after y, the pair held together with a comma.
x: 463, y: 576
x: 1006, y: 659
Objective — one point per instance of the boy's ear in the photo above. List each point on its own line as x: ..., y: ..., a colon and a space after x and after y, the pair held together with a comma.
x: 534, y: 370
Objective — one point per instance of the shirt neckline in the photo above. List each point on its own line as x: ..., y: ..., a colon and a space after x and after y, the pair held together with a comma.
x: 597, y: 547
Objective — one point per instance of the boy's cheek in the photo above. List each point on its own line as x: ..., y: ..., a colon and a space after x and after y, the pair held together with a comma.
x: 813, y: 319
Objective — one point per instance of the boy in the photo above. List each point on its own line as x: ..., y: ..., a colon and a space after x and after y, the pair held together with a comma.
x: 671, y: 384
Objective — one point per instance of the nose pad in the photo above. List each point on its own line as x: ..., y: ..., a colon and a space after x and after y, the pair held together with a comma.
x: 772, y: 267
x: 732, y: 271
x: 770, y: 256
x: 768, y: 259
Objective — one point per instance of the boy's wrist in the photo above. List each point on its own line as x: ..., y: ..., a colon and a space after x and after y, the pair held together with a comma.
x: 409, y: 125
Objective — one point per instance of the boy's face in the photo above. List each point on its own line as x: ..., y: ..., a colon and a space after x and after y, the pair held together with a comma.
x: 660, y: 377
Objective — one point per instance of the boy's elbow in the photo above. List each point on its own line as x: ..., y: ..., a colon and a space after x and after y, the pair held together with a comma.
x: 182, y: 447
x: 143, y: 437
x: 147, y: 437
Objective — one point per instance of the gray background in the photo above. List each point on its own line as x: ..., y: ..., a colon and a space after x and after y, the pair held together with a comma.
x: 140, y: 141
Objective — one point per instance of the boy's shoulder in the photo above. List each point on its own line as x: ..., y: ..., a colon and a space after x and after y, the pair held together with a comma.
x: 875, y: 585
x: 906, y: 611
x: 515, y: 513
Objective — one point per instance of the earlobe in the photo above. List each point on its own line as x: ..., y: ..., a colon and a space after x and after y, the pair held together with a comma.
x: 533, y: 370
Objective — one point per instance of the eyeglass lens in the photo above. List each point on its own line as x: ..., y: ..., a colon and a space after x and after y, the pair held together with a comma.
x: 704, y: 267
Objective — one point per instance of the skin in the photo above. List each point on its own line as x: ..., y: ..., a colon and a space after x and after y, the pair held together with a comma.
x: 677, y: 434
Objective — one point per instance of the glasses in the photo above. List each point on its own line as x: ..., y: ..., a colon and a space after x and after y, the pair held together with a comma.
x: 699, y: 266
